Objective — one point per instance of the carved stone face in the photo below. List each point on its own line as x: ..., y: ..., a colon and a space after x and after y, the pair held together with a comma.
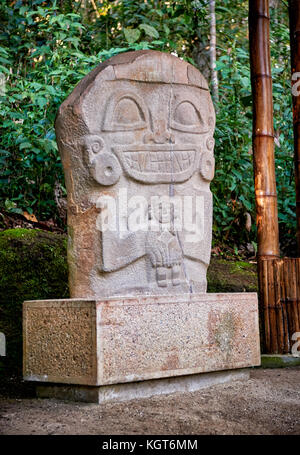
x: 158, y: 120
x: 156, y: 132
x: 143, y: 122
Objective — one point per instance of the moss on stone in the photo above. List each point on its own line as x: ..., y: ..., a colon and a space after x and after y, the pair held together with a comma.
x: 32, y: 266
x: 231, y: 276
x: 279, y: 361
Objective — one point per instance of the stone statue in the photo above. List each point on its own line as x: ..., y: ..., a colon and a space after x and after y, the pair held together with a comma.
x: 136, y: 141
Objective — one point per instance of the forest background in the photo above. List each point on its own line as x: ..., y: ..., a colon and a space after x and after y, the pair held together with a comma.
x: 46, y: 47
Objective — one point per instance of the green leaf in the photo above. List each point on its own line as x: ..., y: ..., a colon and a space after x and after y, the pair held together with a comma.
x: 41, y: 101
x: 131, y: 35
x: 24, y: 145
x: 149, y: 30
x: 166, y: 29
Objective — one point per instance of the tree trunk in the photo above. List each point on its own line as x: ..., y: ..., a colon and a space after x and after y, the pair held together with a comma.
x: 212, y: 51
x: 294, y: 14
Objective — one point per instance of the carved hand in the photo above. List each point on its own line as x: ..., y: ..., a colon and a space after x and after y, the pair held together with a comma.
x: 157, y: 250
x: 175, y: 253
x: 163, y: 249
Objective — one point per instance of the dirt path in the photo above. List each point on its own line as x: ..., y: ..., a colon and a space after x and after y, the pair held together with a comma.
x: 269, y: 403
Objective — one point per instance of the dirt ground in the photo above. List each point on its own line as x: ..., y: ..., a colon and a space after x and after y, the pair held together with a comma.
x: 269, y: 403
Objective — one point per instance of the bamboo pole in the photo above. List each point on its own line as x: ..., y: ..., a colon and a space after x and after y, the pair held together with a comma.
x: 264, y: 310
x: 294, y: 15
x: 277, y: 267
x: 263, y: 134
x: 264, y: 172
x: 283, y: 300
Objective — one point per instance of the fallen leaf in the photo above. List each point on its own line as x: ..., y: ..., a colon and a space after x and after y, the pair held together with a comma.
x: 30, y: 217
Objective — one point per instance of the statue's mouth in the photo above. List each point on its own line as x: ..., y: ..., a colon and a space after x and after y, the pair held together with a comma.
x: 158, y: 163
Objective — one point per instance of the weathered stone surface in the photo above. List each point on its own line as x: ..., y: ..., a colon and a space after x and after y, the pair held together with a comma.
x: 117, y: 340
x: 60, y: 337
x: 141, y: 389
x: 139, y: 125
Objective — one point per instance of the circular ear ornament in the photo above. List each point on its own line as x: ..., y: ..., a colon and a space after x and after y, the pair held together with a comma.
x: 106, y: 169
x: 210, y: 142
x: 92, y: 145
x: 207, y: 166
x: 96, y: 145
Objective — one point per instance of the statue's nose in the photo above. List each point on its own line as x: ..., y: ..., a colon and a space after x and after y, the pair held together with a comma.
x: 159, y: 135
x: 154, y: 138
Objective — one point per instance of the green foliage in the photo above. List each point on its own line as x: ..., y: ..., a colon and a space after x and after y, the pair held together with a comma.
x: 233, y: 186
x: 46, y: 47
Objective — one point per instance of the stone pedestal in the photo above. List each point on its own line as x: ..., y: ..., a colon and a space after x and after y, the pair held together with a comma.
x: 121, y: 340
x: 141, y: 389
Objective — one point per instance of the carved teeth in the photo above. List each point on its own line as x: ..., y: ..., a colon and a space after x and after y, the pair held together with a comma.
x: 160, y: 162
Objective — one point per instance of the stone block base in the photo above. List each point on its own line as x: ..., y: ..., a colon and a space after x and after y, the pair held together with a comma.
x: 142, y: 389
x: 130, y: 339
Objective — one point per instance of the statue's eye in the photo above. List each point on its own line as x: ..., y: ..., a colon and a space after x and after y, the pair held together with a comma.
x: 186, y: 114
x: 187, y: 118
x: 125, y: 113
